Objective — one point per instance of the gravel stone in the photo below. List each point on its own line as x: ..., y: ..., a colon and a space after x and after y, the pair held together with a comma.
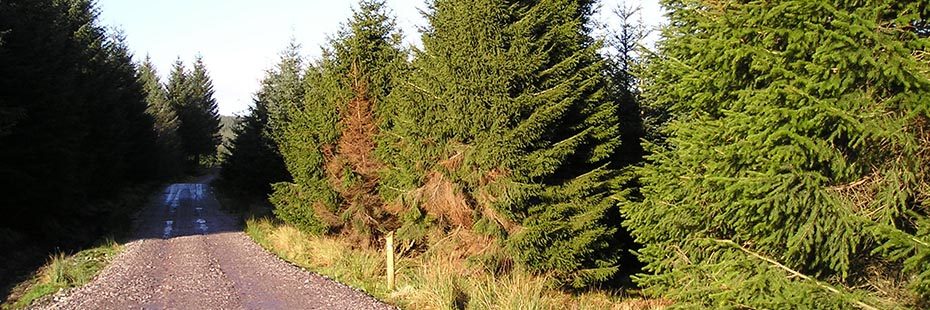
x: 203, y: 261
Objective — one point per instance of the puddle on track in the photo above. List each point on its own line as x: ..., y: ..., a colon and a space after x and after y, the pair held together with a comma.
x: 173, y: 197
x: 168, y: 227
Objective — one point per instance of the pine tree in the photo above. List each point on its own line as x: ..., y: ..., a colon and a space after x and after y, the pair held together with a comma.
x: 73, y: 127
x: 180, y: 99
x: 513, y: 135
x: 336, y: 174
x: 255, y: 162
x: 191, y: 96
x: 166, y: 120
x: 140, y: 151
x: 205, y: 112
x: 797, y: 153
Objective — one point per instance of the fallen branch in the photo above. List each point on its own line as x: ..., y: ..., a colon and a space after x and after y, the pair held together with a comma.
x: 793, y: 272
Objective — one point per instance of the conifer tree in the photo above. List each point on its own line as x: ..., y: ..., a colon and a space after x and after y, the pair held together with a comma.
x: 797, y: 154
x: 180, y: 99
x: 166, y: 120
x: 73, y: 127
x: 40, y: 62
x: 623, y: 61
x: 255, y: 162
x: 204, y: 112
x: 140, y: 148
x: 104, y: 116
x: 191, y: 96
x: 504, y: 126
x: 284, y: 89
x: 335, y: 185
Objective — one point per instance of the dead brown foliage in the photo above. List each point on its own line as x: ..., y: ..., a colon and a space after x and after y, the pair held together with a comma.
x: 862, y: 192
x: 490, y: 183
x: 443, y: 199
x: 359, y: 128
x: 461, y: 243
x: 440, y: 198
x: 326, y: 215
x: 353, y: 153
x: 874, y: 273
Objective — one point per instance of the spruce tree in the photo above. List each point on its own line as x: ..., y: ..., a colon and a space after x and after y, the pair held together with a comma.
x: 166, y: 120
x: 254, y: 161
x: 284, y: 88
x: 40, y: 63
x: 204, y: 112
x: 623, y: 61
x: 504, y: 126
x: 191, y: 96
x: 104, y: 116
x: 181, y: 100
x: 336, y: 178
x: 73, y: 127
x: 140, y: 148
x: 796, y: 155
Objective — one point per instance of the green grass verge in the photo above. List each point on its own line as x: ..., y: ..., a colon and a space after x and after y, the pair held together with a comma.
x: 63, y: 272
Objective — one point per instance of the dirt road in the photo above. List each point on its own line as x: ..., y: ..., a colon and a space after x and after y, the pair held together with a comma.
x: 188, y: 254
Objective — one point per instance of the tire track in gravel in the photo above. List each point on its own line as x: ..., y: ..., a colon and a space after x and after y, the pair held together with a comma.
x: 188, y: 254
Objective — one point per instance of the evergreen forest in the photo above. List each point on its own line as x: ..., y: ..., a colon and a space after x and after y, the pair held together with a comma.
x: 85, y: 130
x: 757, y: 155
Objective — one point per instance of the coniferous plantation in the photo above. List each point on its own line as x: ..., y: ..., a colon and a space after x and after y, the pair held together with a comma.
x: 795, y: 169
x: 84, y: 131
x: 786, y: 143
x: 758, y: 155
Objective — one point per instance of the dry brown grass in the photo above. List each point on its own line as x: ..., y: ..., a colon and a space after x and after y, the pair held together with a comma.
x: 872, y: 272
x: 440, y: 278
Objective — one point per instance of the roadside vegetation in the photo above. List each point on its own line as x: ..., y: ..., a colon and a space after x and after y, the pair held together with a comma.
x: 341, y: 147
x: 30, y: 281
x: 62, y: 272
x: 762, y: 155
x: 441, y: 278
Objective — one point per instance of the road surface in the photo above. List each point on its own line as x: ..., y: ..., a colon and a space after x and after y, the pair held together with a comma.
x: 188, y: 254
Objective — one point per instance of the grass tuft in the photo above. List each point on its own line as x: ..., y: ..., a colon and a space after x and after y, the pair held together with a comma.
x: 63, y: 272
x: 440, y: 278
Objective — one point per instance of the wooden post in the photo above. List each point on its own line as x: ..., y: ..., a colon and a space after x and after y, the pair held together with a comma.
x: 389, y: 250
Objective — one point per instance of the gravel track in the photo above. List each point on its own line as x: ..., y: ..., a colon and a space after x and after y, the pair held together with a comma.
x: 188, y: 254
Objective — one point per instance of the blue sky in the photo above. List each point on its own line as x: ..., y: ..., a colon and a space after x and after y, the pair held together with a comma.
x: 240, y: 39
